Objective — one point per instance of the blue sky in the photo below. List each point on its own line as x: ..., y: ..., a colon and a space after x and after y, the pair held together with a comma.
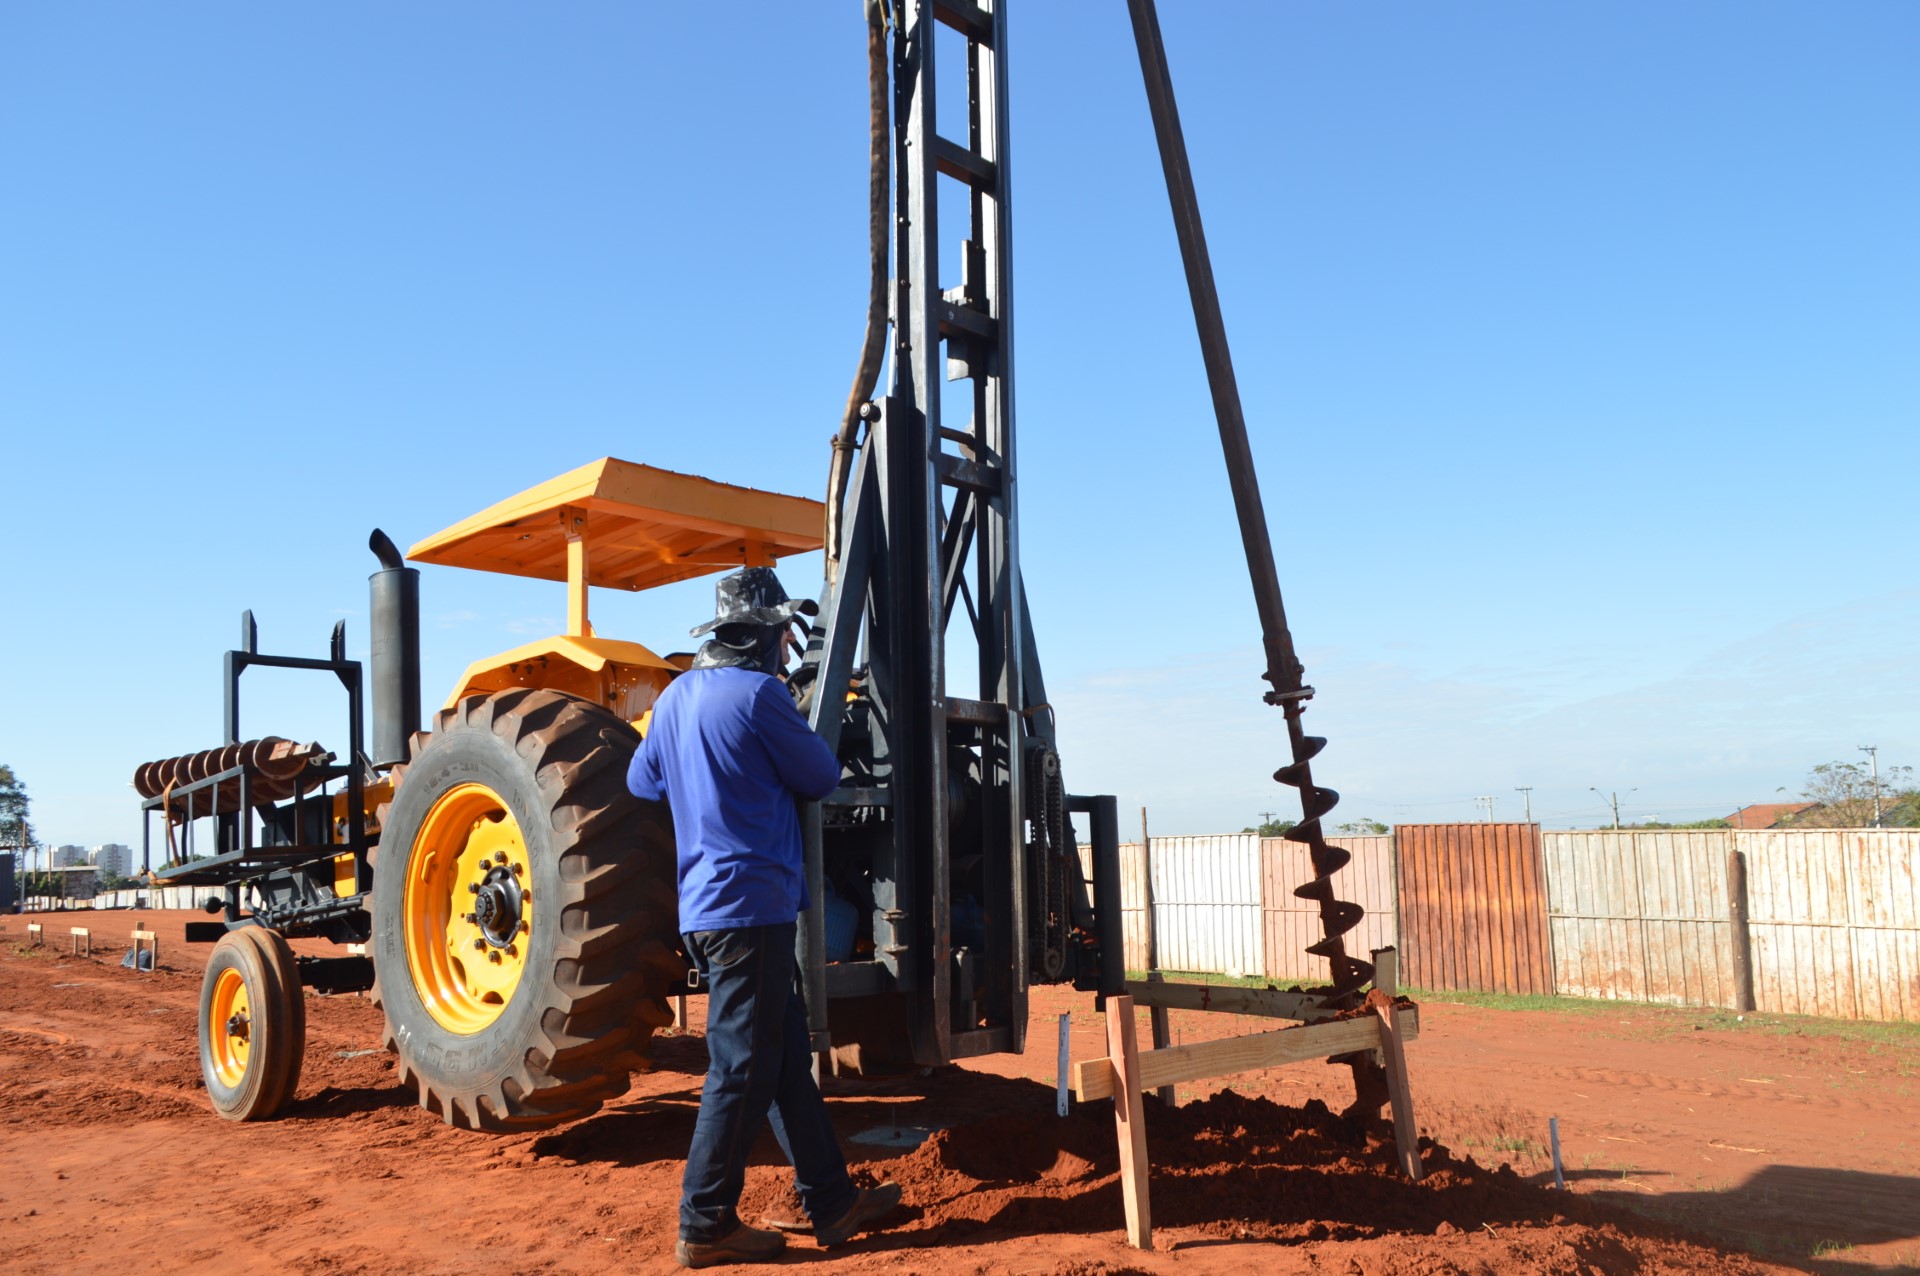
x: 1578, y: 344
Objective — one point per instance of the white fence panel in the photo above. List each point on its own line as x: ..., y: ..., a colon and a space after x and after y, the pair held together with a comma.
x: 1835, y: 921
x: 1640, y: 916
x: 1206, y: 895
x: 1292, y: 923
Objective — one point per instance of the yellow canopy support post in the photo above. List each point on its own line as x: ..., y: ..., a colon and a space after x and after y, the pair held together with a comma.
x: 576, y: 525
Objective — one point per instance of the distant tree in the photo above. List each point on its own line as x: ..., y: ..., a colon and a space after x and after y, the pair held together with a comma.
x: 1361, y: 827
x: 14, y: 806
x: 16, y: 831
x: 1845, y: 792
x: 1902, y: 810
x: 1272, y: 828
x: 1690, y: 824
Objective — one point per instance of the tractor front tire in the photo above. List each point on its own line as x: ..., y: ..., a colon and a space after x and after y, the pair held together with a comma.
x: 524, y: 919
x: 253, y: 1025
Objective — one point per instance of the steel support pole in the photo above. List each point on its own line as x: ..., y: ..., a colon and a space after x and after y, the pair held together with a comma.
x: 1284, y: 671
x: 1283, y: 668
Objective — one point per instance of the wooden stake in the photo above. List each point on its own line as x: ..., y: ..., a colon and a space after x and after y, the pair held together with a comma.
x: 1146, y: 890
x: 1162, y: 1037
x: 1157, y: 1015
x: 1129, y: 1119
x: 1406, y: 1137
x: 1061, y: 1069
x: 143, y: 936
x: 81, y: 935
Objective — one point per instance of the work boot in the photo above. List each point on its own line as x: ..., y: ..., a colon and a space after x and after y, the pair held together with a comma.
x: 868, y: 1208
x: 742, y: 1245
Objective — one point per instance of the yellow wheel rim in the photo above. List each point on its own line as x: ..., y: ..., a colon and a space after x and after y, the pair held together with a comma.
x: 230, y: 1027
x: 468, y: 911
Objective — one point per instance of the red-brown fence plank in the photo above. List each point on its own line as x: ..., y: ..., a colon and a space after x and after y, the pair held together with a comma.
x: 1473, y: 907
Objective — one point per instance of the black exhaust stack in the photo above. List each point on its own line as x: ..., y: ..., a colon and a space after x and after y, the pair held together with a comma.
x: 395, y: 621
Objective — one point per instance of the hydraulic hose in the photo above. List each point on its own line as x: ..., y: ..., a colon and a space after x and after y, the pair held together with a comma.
x: 878, y: 229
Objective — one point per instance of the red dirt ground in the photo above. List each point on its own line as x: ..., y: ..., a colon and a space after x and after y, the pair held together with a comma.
x: 1803, y: 1149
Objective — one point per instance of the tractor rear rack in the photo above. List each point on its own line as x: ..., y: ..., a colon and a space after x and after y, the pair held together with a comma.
x: 257, y: 840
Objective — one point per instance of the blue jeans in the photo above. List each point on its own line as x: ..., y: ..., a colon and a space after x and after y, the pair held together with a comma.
x: 759, y: 1068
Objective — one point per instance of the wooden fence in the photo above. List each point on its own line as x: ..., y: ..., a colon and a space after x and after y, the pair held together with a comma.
x: 1641, y: 916
x: 1473, y: 907
x: 1835, y: 921
x: 1831, y: 923
x: 1206, y: 903
x: 1225, y: 904
x: 1291, y: 923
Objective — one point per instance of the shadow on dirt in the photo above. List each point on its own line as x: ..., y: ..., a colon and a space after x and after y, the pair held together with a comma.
x: 1794, y: 1213
x: 632, y: 1134
x: 333, y: 1102
x: 681, y: 1053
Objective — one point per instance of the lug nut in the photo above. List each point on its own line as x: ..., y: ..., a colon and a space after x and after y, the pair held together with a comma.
x: 479, y: 945
x: 512, y: 950
x: 494, y: 957
x: 473, y: 888
x: 499, y: 857
x: 525, y: 926
x: 519, y: 870
x: 470, y: 919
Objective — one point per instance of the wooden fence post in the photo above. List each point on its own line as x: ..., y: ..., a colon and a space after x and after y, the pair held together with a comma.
x: 1741, y: 937
x: 80, y: 934
x: 1129, y: 1118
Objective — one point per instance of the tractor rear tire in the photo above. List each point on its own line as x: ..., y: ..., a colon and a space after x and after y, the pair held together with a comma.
x: 524, y: 917
x: 252, y: 1025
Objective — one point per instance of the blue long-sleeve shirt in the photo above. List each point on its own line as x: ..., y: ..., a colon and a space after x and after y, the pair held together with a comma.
x: 730, y: 752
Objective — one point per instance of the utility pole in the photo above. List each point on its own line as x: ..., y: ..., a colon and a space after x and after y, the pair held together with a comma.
x: 1486, y: 804
x: 1873, y: 755
x: 1614, y: 798
x: 1526, y: 798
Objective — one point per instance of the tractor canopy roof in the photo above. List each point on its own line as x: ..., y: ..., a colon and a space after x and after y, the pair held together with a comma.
x: 634, y: 526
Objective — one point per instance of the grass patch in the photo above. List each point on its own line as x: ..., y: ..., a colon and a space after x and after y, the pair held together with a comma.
x: 1657, y: 1018
x: 1524, y: 1001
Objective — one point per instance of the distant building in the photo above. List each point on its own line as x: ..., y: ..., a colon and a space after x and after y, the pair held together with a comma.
x: 1767, y: 815
x: 69, y: 856
x: 79, y: 881
x: 113, y: 860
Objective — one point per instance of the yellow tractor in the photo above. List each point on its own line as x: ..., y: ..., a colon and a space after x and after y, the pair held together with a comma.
x: 521, y: 914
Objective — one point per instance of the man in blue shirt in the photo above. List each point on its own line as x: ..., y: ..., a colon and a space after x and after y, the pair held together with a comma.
x: 729, y: 751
